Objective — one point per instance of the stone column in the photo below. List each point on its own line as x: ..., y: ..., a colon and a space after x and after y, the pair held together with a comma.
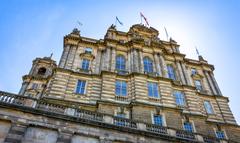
x: 135, y: 61
x: 16, y: 133
x: 210, y: 83
x: 106, y: 60
x: 180, y: 71
x: 98, y: 62
x: 186, y: 75
x: 164, y: 66
x: 141, y: 70
x: 129, y: 61
x: 215, y: 83
x: 64, y: 56
x: 113, y: 57
x: 156, y: 59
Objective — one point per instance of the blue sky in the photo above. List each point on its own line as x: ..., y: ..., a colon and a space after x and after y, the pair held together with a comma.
x: 35, y: 28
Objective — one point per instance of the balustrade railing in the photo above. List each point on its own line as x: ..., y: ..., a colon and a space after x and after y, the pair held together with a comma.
x: 121, y: 98
x: 13, y: 99
x: 156, y: 128
x: 89, y: 115
x: 185, y: 134
x: 124, y: 122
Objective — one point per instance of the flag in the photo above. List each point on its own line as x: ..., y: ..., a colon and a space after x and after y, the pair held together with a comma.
x: 166, y: 32
x: 145, y: 19
x: 80, y: 24
x: 119, y: 21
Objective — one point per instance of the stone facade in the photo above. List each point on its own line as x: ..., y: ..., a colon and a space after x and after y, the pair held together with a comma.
x: 50, y: 108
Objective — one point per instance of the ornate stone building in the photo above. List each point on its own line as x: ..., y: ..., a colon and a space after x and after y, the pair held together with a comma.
x: 128, y: 87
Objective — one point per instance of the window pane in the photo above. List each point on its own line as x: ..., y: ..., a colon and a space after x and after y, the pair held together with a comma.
x: 208, y: 107
x: 158, y: 120
x: 220, y: 134
x: 148, y: 65
x: 153, y: 89
x: 188, y: 127
x: 121, y: 88
x: 80, y: 87
x: 198, y: 84
x: 171, y: 72
x: 88, y: 50
x: 120, y: 63
x: 180, y: 99
x: 85, y: 64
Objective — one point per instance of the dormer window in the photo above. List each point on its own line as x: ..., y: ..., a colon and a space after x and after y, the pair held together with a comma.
x: 42, y: 71
x: 88, y: 50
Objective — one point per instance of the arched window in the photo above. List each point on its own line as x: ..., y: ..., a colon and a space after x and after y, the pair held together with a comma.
x: 148, y: 65
x: 120, y: 62
x: 42, y: 71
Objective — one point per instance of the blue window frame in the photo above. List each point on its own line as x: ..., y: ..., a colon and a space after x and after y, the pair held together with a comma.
x: 198, y: 85
x: 85, y: 64
x: 171, y: 72
x: 188, y: 126
x: 153, y: 90
x: 121, y: 88
x: 120, y: 62
x: 208, y: 107
x: 158, y: 120
x: 220, y: 135
x: 148, y: 65
x: 180, y: 98
x: 80, y: 87
x: 121, y: 122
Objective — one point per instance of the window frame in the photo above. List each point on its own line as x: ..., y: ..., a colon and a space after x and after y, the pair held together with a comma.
x: 121, y: 88
x: 177, y: 99
x: 172, y: 72
x: 161, y: 119
x: 191, y: 126
x: 85, y: 64
x: 197, y: 86
x: 209, y: 103
x: 153, y: 87
x: 147, y: 65
x: 122, y: 65
x: 77, y: 86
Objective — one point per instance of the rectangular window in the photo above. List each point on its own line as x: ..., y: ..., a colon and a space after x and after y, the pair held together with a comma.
x: 34, y: 86
x: 188, y: 126
x: 198, y: 85
x: 121, y: 88
x: 220, y: 135
x: 208, y: 107
x: 85, y: 64
x: 158, y: 120
x: 88, y: 50
x: 81, y: 87
x: 180, y: 98
x: 121, y: 122
x: 153, y: 90
x: 171, y: 72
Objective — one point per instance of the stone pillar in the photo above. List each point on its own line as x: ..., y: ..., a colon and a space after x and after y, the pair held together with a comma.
x: 15, y: 133
x: 210, y: 83
x: 164, y: 66
x: 141, y: 70
x: 113, y: 59
x: 215, y: 83
x: 156, y: 59
x: 129, y: 61
x: 70, y: 57
x: 180, y: 71
x: 135, y: 61
x: 186, y: 74
x: 106, y: 57
x: 98, y: 62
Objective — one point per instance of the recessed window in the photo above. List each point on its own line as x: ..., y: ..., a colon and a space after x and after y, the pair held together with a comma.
x: 153, y: 89
x: 180, y: 98
x: 120, y: 122
x: 188, y: 126
x: 88, y: 50
x: 158, y: 120
x: 42, y: 71
x: 193, y: 71
x: 148, y: 65
x: 121, y: 88
x: 208, y: 107
x: 171, y: 72
x: 81, y: 87
x: 34, y: 86
x: 120, y: 63
x: 220, y: 135
x: 85, y: 64
x: 198, y: 85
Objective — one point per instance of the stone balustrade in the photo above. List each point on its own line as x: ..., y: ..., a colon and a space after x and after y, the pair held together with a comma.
x: 13, y: 99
